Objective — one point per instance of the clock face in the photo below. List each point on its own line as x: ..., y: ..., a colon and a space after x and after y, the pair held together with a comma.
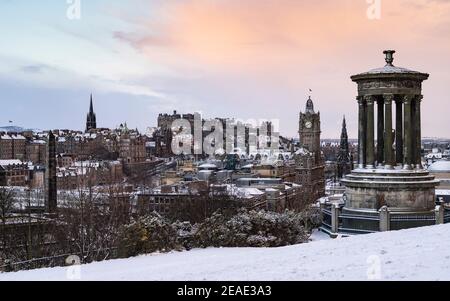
x: 308, y: 124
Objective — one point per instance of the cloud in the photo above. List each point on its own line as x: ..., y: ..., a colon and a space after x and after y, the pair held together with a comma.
x: 245, y: 33
x: 36, y: 69
x: 267, y: 52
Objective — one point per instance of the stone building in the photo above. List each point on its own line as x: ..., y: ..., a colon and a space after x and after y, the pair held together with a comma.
x: 248, y: 138
x: 310, y: 167
x: 36, y: 151
x: 132, y: 148
x: 13, y: 173
x: 6, y: 147
x: 280, y: 169
x: 12, y: 146
x: 65, y: 160
x: 19, y: 146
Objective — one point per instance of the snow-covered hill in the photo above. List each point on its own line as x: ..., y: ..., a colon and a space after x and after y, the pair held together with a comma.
x: 416, y: 254
x: 14, y: 129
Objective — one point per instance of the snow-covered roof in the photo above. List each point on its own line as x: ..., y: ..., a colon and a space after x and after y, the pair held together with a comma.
x: 38, y: 142
x: 207, y: 165
x: 243, y: 192
x: 10, y: 162
x: 18, y: 137
x: 441, y: 166
x: 390, y: 69
x: 302, y: 151
x: 442, y: 191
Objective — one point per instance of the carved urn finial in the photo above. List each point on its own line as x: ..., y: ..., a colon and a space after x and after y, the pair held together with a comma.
x: 389, y: 57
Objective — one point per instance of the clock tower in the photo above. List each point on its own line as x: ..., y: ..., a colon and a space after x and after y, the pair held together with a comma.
x: 310, y: 169
x: 309, y: 129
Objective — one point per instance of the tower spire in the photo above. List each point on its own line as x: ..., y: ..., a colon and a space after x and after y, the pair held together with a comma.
x: 309, y: 106
x: 91, y: 120
x: 343, y: 158
x: 91, y: 108
x: 344, y: 130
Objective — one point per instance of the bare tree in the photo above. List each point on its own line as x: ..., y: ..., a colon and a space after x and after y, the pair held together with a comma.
x: 196, y: 207
x: 7, y: 203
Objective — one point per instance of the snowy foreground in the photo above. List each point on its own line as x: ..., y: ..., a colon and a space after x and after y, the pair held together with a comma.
x: 416, y: 254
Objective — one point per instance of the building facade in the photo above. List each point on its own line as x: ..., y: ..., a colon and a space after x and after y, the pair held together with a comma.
x: 13, y: 173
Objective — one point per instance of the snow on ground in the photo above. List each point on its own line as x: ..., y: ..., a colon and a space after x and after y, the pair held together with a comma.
x: 415, y: 254
x: 317, y: 235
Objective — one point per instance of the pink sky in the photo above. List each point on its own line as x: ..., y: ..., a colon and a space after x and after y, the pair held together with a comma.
x: 265, y: 47
x: 225, y: 58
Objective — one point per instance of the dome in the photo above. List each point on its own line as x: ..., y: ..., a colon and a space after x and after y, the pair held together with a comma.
x: 389, y: 70
x: 442, y: 166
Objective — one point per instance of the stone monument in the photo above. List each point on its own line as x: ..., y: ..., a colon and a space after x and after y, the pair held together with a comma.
x: 389, y: 175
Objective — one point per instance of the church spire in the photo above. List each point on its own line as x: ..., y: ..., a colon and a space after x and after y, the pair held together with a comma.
x: 91, y: 108
x: 343, y: 158
x: 344, y: 136
x: 91, y: 120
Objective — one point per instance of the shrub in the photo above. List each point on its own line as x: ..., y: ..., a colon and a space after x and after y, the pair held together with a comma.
x: 146, y: 235
x: 252, y: 229
x: 244, y: 229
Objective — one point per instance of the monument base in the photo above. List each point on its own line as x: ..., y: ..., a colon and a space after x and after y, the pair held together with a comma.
x: 384, y: 199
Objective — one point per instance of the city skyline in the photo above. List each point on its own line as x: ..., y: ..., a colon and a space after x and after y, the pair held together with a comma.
x: 267, y: 60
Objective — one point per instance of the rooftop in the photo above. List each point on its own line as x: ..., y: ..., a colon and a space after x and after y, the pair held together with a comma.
x: 389, y: 68
x: 10, y: 162
x: 441, y: 166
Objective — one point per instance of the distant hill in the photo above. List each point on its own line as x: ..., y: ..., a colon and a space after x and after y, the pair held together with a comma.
x: 14, y: 129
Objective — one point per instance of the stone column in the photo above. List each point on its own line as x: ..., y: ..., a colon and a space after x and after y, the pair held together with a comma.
x: 334, y: 220
x: 361, y: 133
x: 389, y: 139
x: 439, y: 214
x: 399, y: 132
x: 407, y: 148
x: 418, y: 132
x: 380, y: 132
x: 385, y: 219
x: 370, y: 132
x: 51, y: 191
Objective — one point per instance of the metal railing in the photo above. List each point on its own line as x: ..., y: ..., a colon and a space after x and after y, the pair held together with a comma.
x: 368, y: 222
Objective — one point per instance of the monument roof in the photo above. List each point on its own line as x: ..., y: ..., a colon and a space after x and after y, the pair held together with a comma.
x: 389, y: 69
